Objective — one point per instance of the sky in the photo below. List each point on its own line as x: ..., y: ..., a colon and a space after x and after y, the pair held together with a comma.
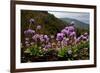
x: 81, y: 16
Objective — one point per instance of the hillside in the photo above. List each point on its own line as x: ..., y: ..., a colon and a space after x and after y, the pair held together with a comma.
x: 50, y: 24
x: 78, y: 24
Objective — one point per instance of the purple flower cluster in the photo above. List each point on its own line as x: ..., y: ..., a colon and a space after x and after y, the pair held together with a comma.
x: 60, y: 36
x: 29, y: 31
x: 84, y: 37
x: 67, y: 33
x: 46, y: 38
x: 31, y: 20
x: 66, y: 37
x: 38, y: 27
x: 47, y: 46
x: 41, y: 37
x: 36, y: 37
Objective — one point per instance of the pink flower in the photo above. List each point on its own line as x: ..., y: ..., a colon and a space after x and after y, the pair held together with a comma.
x: 38, y: 27
x: 29, y: 31
x: 27, y: 39
x: 36, y: 37
x: 71, y: 28
x: 64, y: 31
x: 48, y: 46
x: 31, y: 20
x: 66, y: 28
x: 65, y: 41
x: 42, y: 38
x: 60, y: 36
x: 46, y: 38
x: 72, y: 34
x: 26, y: 42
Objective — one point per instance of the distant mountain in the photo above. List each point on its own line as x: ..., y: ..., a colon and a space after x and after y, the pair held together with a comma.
x: 78, y: 24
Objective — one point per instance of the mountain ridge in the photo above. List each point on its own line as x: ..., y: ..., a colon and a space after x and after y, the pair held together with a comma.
x: 77, y: 23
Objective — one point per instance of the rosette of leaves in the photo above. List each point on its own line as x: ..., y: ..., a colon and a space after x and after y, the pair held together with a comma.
x: 35, y: 50
x: 75, y: 52
x: 83, y: 50
x: 36, y: 53
x: 83, y: 45
x: 62, y: 53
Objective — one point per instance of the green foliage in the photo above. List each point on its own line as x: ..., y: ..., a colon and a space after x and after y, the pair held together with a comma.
x: 62, y: 52
x: 35, y: 51
x: 76, y: 49
x: 82, y: 45
x: 77, y: 52
x: 81, y: 51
